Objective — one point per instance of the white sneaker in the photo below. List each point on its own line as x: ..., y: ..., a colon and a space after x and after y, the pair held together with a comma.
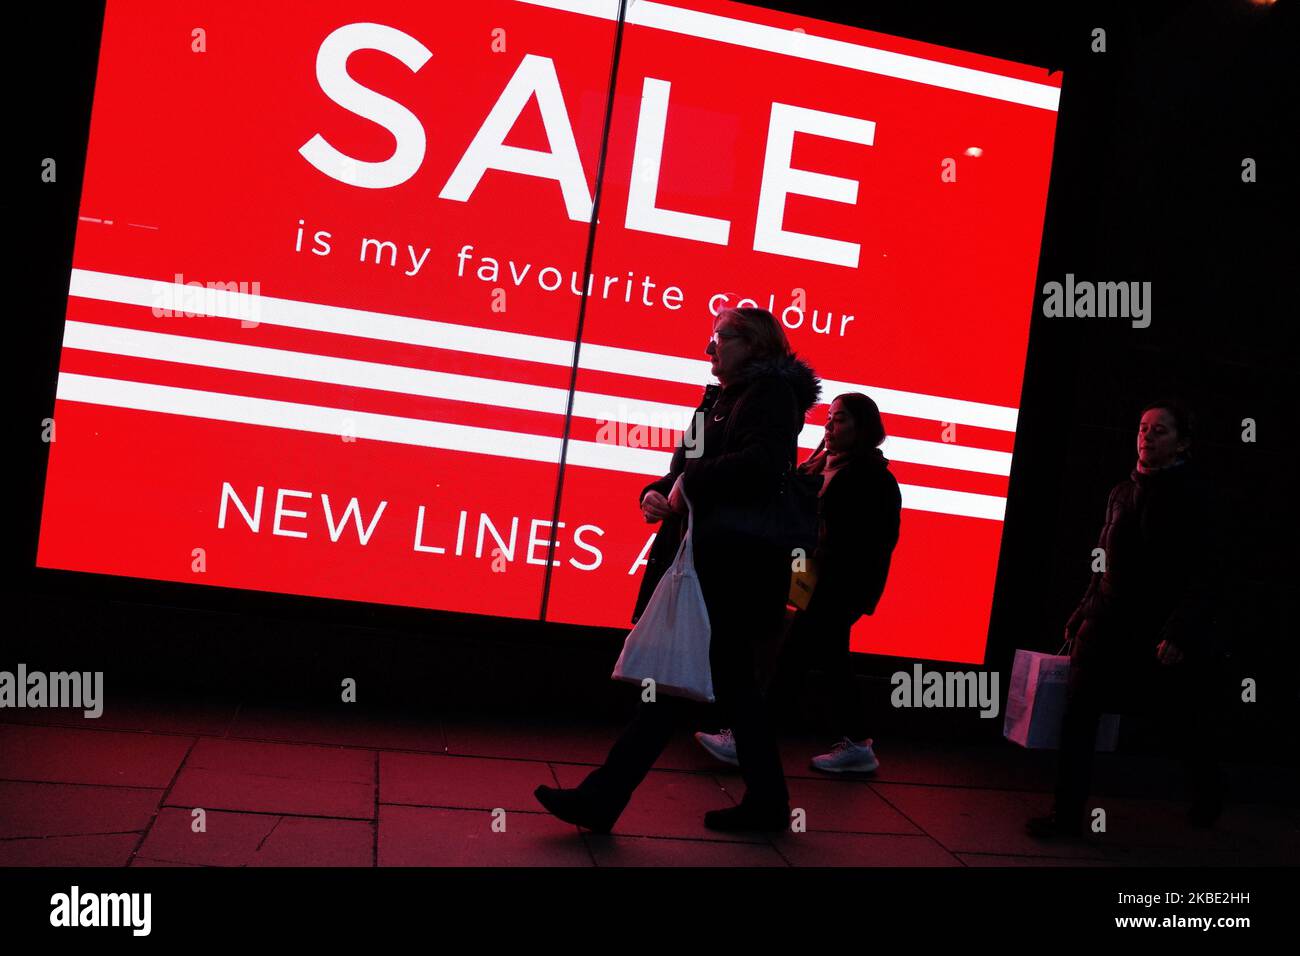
x: 848, y: 757
x: 721, y: 746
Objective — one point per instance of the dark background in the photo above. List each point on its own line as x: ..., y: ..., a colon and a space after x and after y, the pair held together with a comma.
x: 1146, y: 186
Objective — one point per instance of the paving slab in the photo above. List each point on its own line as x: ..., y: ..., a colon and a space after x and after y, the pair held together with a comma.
x: 423, y: 836
x: 259, y: 793
x: 470, y: 783
x: 248, y: 839
x: 54, y: 810
x: 963, y: 819
x: 65, y: 755
x: 308, y: 761
x: 840, y: 805
x: 296, y: 780
x: 104, y: 849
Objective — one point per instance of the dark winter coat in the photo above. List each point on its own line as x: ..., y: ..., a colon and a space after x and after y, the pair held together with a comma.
x: 1161, y: 549
x: 860, y: 511
x: 750, y: 437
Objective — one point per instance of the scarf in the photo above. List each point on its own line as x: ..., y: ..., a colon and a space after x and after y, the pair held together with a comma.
x: 1141, y: 470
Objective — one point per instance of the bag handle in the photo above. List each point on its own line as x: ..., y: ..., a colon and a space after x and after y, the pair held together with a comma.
x: 688, y: 539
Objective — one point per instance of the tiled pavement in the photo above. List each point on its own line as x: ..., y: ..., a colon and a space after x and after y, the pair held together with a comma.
x: 296, y: 788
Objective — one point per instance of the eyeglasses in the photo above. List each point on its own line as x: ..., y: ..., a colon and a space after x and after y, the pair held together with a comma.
x: 724, y: 334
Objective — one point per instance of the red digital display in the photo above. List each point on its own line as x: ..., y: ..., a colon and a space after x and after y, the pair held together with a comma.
x: 323, y: 318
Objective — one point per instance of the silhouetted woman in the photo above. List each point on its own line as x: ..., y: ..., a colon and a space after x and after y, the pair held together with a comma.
x: 1143, y: 632
x: 752, y: 420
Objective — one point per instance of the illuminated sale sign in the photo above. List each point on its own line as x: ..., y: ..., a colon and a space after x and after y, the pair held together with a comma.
x: 340, y: 338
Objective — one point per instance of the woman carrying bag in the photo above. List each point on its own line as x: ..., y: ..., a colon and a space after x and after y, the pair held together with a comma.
x: 1144, y: 635
x: 751, y: 422
x: 860, y: 507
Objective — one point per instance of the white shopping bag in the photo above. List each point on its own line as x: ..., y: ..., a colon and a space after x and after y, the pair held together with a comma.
x: 670, y: 643
x: 1036, y: 704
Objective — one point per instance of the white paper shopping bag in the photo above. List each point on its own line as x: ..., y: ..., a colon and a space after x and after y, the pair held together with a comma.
x: 1036, y: 703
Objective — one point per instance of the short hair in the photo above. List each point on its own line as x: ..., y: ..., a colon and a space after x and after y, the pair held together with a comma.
x: 1184, y: 419
x: 867, y: 423
x: 761, y: 330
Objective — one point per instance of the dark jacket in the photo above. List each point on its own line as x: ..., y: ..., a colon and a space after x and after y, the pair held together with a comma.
x: 860, y: 513
x: 750, y: 436
x: 1161, y: 545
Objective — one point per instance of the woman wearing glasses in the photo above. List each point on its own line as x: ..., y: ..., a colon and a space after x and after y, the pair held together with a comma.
x: 751, y: 422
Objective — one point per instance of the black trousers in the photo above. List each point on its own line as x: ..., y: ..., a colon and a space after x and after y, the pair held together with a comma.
x: 819, y: 640
x: 1122, y: 675
x: 745, y: 595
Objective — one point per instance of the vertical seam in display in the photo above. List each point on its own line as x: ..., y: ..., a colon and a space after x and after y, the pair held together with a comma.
x: 553, y: 536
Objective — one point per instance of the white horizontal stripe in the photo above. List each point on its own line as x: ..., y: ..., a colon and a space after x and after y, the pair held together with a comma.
x: 945, y: 502
x: 305, y: 366
x: 921, y: 452
x: 272, y: 413
x: 169, y: 400
x: 290, y: 313
x: 933, y: 408
x: 947, y: 455
x: 315, y: 317
x: 854, y: 56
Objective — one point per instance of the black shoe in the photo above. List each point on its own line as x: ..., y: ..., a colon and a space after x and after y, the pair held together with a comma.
x: 572, y: 807
x: 745, y: 817
x: 1053, y: 827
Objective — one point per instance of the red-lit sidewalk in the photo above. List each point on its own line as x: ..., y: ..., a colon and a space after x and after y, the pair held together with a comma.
x: 295, y: 788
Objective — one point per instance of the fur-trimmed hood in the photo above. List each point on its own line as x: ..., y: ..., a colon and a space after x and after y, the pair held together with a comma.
x: 796, y: 373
